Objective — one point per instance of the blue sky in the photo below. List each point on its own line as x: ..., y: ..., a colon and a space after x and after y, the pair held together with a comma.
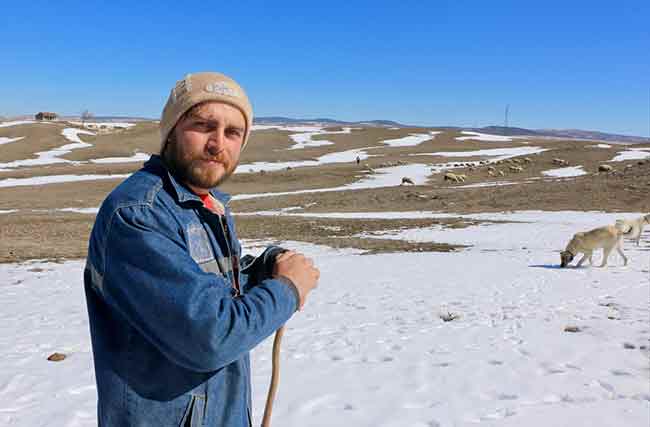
x: 570, y: 64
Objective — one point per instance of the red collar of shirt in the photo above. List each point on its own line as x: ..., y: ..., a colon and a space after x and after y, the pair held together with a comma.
x: 209, y: 203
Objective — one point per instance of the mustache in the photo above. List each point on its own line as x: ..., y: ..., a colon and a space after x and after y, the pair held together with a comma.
x: 215, y: 155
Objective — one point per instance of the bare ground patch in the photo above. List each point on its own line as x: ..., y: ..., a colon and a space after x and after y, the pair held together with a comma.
x: 63, y: 235
x: 27, y: 234
x: 37, y: 137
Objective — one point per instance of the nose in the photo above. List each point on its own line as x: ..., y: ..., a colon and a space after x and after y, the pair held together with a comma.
x: 215, y: 141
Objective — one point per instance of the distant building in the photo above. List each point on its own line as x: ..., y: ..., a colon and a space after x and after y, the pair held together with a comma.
x: 43, y: 115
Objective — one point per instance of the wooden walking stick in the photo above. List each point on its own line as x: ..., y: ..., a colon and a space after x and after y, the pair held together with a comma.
x: 275, y: 378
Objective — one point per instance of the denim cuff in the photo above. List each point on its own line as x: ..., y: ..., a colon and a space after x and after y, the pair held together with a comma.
x: 292, y: 286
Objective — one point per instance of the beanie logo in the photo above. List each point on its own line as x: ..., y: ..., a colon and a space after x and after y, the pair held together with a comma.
x: 220, y: 88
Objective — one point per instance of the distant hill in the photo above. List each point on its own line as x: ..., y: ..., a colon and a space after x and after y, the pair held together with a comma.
x: 110, y: 118
x: 563, y: 133
x: 495, y: 130
x: 274, y: 120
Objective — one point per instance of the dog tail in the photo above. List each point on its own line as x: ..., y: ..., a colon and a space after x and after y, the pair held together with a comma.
x: 622, y: 227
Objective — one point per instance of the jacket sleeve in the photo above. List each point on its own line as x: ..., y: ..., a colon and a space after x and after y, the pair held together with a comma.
x: 189, y: 315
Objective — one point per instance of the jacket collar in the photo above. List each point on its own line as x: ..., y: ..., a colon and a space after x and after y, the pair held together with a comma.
x: 181, y: 192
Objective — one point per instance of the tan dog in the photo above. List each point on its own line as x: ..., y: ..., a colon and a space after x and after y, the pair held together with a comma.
x: 607, y: 238
x: 633, y: 227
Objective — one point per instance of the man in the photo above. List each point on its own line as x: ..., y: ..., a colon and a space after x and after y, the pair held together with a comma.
x: 172, y: 317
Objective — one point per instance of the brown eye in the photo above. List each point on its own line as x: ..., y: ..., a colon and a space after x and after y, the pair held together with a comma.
x: 235, y: 133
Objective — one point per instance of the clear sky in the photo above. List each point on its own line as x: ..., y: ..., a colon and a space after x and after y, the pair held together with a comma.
x: 559, y: 64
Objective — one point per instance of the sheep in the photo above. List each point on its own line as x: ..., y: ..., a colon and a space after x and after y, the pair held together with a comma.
x: 454, y: 177
x: 368, y: 168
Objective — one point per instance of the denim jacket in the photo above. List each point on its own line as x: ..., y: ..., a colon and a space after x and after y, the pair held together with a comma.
x: 170, y: 332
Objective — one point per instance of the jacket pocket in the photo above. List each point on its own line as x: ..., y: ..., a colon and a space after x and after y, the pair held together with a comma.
x: 199, y: 243
x: 194, y: 413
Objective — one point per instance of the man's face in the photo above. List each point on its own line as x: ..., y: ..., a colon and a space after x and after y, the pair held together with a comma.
x: 205, y: 145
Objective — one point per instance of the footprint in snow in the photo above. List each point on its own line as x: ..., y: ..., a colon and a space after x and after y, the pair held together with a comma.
x: 443, y: 364
x: 505, y: 396
x: 311, y: 404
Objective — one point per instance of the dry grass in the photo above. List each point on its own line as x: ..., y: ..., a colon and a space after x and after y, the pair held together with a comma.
x: 31, y: 233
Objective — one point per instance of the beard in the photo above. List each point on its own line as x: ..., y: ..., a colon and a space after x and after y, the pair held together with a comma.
x: 193, y: 169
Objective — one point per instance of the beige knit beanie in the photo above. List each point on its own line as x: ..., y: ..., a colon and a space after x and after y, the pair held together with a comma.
x: 201, y: 87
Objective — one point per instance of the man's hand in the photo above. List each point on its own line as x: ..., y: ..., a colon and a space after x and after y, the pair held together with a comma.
x: 300, y: 270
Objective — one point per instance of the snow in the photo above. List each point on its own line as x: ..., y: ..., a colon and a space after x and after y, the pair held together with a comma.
x: 632, y: 154
x: 565, y: 172
x: 288, y: 128
x: 501, y: 153
x: 92, y: 211
x: 411, y: 140
x: 54, y: 156
x: 496, y: 154
x: 383, y: 177
x: 16, y: 123
x: 336, y: 157
x: 304, y: 140
x: 488, y: 184
x: 137, y: 157
x: 477, y: 136
x: 4, y: 140
x: 55, y: 179
x: 370, y: 347
x: 72, y: 134
x: 123, y: 125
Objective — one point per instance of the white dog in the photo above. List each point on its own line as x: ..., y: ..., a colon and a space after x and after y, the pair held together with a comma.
x: 633, y: 227
x: 607, y: 237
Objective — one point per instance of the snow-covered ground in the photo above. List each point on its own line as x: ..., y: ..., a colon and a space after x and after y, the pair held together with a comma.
x: 497, y: 154
x: 99, y: 125
x: 370, y: 347
x: 477, y: 136
x: 16, y: 123
x: 336, y: 157
x: 565, y: 172
x: 632, y: 154
x: 297, y: 128
x: 304, y: 140
x: 383, y: 177
x: 137, y: 157
x: 5, y: 140
x: 55, y: 179
x: 54, y: 156
x: 600, y: 146
x: 412, y: 140
x: 489, y: 184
